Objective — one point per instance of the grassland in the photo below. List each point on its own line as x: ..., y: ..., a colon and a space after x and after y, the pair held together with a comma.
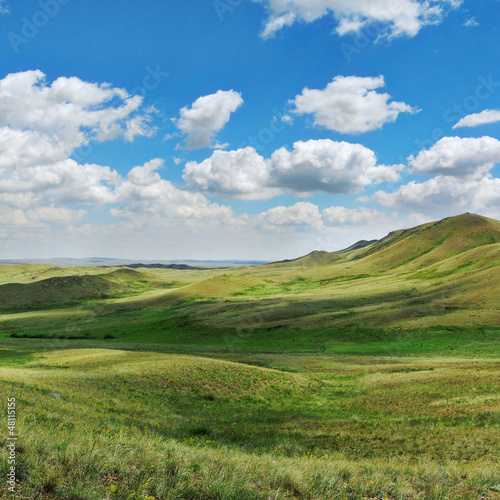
x: 370, y: 373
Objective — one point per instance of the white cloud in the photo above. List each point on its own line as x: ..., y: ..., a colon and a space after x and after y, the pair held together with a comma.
x: 300, y: 214
x: 207, y: 116
x: 350, y: 25
x: 276, y: 23
x: 471, y: 23
x: 41, y: 125
x: 445, y: 194
x: 326, y: 165
x: 341, y: 215
x: 476, y: 119
x: 62, y: 182
x: 69, y: 112
x: 27, y: 148
x: 55, y: 215
x: 462, y: 181
x: 3, y: 8
x: 396, y: 17
x: 144, y: 194
x: 458, y: 157
x: 312, y: 166
x: 350, y: 105
x: 139, y: 126
x: 241, y: 174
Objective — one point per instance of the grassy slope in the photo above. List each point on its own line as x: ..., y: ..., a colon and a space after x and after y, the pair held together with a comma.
x: 386, y: 382
x: 316, y: 305
x: 34, y: 290
x: 437, y: 274
x: 55, y: 292
x: 98, y: 423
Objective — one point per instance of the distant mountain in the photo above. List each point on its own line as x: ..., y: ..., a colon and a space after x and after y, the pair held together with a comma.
x: 422, y: 245
x: 181, y: 267
x: 107, y: 262
x: 321, y: 257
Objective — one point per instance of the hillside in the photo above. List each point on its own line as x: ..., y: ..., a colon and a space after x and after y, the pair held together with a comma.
x: 55, y: 292
x: 441, y: 273
x: 300, y: 426
x: 437, y: 274
x: 431, y: 243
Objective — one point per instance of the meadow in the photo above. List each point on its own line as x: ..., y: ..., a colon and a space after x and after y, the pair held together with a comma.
x: 366, y: 374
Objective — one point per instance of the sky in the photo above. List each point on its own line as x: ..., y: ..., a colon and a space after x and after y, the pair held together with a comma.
x: 242, y: 129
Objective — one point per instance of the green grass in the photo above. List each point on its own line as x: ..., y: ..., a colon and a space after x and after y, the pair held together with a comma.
x: 169, y: 426
x: 368, y: 374
x: 272, y: 327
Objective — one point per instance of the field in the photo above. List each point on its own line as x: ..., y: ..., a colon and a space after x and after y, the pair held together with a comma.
x: 371, y: 373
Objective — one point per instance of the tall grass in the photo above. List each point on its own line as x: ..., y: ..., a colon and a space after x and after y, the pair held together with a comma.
x: 114, y: 424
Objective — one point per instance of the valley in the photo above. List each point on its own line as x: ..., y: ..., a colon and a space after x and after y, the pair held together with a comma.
x: 366, y: 373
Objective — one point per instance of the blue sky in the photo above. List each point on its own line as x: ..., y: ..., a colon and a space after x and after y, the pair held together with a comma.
x: 252, y: 129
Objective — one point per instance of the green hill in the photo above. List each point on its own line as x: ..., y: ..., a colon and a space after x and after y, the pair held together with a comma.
x: 440, y: 273
x: 368, y: 373
x: 430, y: 243
x: 55, y: 292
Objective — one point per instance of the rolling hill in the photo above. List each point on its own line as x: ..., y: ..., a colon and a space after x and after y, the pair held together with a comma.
x: 365, y: 373
x: 436, y: 274
x: 55, y: 292
x: 431, y: 243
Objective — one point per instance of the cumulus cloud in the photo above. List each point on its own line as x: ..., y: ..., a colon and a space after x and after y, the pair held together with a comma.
x: 312, y: 166
x: 41, y: 125
x: 444, y: 193
x: 330, y: 166
x: 308, y: 216
x: 207, y: 116
x: 462, y: 181
x: 26, y: 148
x: 334, y: 216
x: 62, y: 182
x: 350, y: 105
x: 300, y: 214
x: 398, y: 17
x: 476, y: 119
x: 241, y: 174
x: 69, y: 112
x: 143, y: 193
x: 456, y: 156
